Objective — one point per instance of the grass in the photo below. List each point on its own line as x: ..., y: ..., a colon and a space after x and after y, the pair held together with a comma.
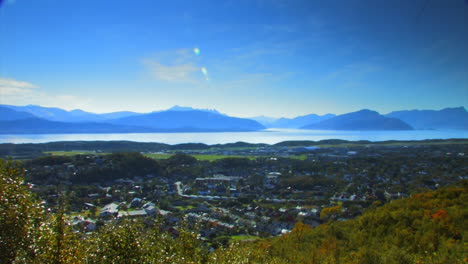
x: 211, y: 157
x: 183, y: 208
x: 157, y: 155
x: 299, y: 157
x: 203, y: 157
x: 84, y: 213
x: 243, y: 237
x: 217, y: 157
x: 72, y: 153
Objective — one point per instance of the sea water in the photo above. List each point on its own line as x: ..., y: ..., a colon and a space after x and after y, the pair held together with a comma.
x: 269, y: 136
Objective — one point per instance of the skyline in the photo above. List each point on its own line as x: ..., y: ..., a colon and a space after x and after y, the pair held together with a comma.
x: 242, y: 58
x: 213, y: 110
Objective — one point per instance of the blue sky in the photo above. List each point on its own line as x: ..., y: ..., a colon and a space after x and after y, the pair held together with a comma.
x: 244, y: 58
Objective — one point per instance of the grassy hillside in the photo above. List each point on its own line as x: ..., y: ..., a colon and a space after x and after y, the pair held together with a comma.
x: 425, y: 228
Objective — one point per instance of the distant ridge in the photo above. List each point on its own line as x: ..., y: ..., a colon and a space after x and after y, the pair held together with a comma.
x: 361, y: 120
x: 188, y: 119
x: 56, y: 114
x: 41, y: 126
x: 42, y: 120
x: 300, y: 121
x: 10, y: 149
x: 185, y: 108
x: 7, y: 114
x: 447, y: 118
x: 264, y: 120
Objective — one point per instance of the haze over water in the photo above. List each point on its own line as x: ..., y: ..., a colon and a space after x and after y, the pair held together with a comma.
x: 270, y: 136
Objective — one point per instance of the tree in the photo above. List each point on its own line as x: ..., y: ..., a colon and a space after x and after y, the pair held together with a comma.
x: 117, y: 243
x: 20, y: 215
x: 330, y: 212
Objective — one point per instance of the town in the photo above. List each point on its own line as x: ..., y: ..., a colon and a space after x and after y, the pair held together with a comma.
x: 240, y: 193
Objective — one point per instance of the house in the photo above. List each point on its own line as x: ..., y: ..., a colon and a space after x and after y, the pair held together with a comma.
x: 218, y: 179
x: 111, y: 209
x: 83, y: 224
x: 271, y: 180
x: 150, y: 208
x: 136, y: 202
x: 89, y: 225
x: 93, y: 196
x: 87, y: 206
x: 137, y: 213
x: 133, y: 213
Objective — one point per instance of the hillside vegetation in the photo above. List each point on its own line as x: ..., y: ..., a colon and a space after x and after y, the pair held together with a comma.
x: 425, y: 228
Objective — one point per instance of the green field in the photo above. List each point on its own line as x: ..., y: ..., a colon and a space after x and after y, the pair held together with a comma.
x: 202, y: 157
x: 158, y: 155
x: 243, y: 237
x: 183, y: 208
x: 199, y: 156
x: 73, y: 153
x: 299, y: 157
x: 217, y: 157
x: 211, y: 157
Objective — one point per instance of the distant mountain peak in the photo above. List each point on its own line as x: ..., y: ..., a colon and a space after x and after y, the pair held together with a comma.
x: 296, y: 122
x: 190, y: 120
x: 264, y: 116
x: 459, y: 109
x: 447, y: 118
x: 77, y: 111
x: 365, y: 111
x: 364, y: 119
x: 180, y: 108
x: 188, y: 108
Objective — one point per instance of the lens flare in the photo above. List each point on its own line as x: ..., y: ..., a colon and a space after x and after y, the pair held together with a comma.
x: 205, y: 73
x: 196, y: 51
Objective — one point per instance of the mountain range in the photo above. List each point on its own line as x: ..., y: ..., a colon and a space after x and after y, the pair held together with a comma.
x: 60, y: 115
x: 448, y: 118
x: 32, y: 119
x: 296, y: 122
x: 361, y: 120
